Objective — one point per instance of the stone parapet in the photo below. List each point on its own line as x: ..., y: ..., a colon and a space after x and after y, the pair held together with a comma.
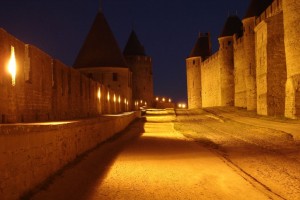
x: 30, y: 153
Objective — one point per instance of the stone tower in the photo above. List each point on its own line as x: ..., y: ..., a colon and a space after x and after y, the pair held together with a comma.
x: 141, y: 67
x: 200, y: 52
x: 244, y: 58
x: 101, y: 59
x: 270, y: 61
x: 291, y: 17
x: 255, y: 9
x: 233, y: 26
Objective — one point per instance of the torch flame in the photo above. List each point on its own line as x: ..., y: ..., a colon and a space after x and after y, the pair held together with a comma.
x: 12, y: 66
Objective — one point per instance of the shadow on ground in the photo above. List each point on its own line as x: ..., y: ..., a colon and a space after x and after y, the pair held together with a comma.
x: 76, y: 179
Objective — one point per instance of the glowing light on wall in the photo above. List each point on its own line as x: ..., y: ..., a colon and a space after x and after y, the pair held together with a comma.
x: 157, y: 99
x: 12, y: 66
x: 108, y: 96
x: 163, y: 99
x: 181, y: 105
x: 170, y: 100
x: 141, y: 101
x: 119, y: 99
x: 126, y: 103
x: 115, y: 98
x: 99, y: 94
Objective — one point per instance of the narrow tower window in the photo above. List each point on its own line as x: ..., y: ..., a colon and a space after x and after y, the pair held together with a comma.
x: 115, y: 77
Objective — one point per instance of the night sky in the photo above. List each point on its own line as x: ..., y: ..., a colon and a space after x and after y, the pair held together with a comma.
x: 168, y: 29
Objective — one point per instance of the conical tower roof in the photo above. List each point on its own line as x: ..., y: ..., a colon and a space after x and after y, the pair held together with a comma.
x: 100, y: 47
x: 133, y: 46
x: 202, y: 47
x: 232, y: 26
x: 256, y: 7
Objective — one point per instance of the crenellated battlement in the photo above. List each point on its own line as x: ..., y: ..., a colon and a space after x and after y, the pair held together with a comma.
x: 238, y: 67
x: 137, y: 58
x: 45, y: 89
x: 212, y: 58
x: 238, y: 42
x: 273, y: 9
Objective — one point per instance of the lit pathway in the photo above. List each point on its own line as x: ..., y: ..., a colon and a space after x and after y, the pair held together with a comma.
x: 288, y: 126
x: 161, y: 164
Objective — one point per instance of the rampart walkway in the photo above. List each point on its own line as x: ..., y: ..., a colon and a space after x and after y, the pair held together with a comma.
x: 150, y: 160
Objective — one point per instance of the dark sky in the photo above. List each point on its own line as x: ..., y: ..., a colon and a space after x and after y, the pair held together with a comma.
x: 167, y: 28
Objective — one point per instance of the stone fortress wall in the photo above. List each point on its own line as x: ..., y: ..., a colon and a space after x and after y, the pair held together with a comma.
x: 142, y: 80
x: 259, y: 70
x: 194, y: 82
x: 47, y: 90
x: 72, y: 105
x: 31, y: 153
x: 240, y: 90
x: 270, y: 66
x: 291, y: 19
x: 211, y: 84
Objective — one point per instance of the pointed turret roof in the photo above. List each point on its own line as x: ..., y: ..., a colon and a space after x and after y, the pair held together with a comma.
x: 202, y: 47
x: 100, y: 47
x: 232, y: 26
x: 133, y: 46
x: 256, y: 7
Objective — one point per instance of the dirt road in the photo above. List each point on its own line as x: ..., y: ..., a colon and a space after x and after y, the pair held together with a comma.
x: 151, y: 160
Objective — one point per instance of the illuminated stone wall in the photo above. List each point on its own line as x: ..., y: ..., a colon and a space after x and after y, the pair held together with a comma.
x: 194, y: 88
x: 11, y: 97
x: 266, y: 65
x: 271, y: 66
x: 226, y: 71
x: 217, y: 76
x: 249, y: 62
x: 262, y: 68
x: 240, y: 90
x: 31, y: 153
x: 291, y: 16
x: 142, y: 79
x: 46, y: 89
x: 211, y: 81
x: 117, y: 79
